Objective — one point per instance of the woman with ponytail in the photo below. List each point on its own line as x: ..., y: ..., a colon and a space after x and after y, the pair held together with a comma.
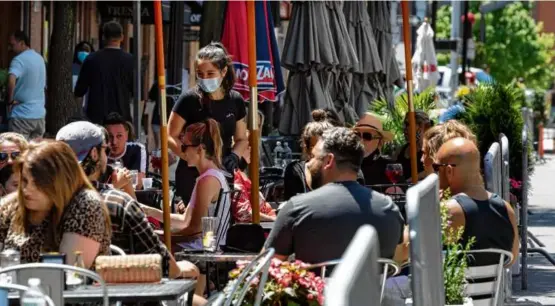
x: 201, y: 147
x: 214, y: 98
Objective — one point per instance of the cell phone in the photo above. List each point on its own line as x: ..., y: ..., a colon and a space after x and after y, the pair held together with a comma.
x: 53, y: 258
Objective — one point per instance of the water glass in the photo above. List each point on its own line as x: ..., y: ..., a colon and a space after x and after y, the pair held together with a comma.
x: 134, y: 178
x: 147, y: 183
x: 209, y: 231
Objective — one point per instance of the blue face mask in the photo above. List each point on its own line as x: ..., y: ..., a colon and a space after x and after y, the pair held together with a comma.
x: 209, y: 85
x: 81, y: 56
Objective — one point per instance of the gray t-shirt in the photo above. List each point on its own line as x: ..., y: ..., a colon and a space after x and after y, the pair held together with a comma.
x: 319, y: 225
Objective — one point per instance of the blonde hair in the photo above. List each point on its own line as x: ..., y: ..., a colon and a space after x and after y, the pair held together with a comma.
x: 57, y: 173
x: 436, y: 136
x: 206, y: 133
x: 16, y: 138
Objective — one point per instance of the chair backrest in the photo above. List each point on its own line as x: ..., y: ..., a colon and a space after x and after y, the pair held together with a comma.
x: 222, y: 211
x: 486, y: 282
x: 492, y: 169
x: 258, y: 267
x: 425, y: 242
x: 354, y: 280
x: 21, y: 288
x: 34, y: 267
x: 117, y: 250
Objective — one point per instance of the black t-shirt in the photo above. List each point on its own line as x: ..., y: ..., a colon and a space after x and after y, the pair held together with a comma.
x: 374, y: 170
x: 226, y: 112
x: 319, y: 225
x: 107, y: 76
x: 133, y: 158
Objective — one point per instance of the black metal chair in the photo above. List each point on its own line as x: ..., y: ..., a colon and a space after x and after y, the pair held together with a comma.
x: 400, y: 199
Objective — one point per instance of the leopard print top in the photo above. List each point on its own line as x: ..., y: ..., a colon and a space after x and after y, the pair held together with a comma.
x: 83, y: 216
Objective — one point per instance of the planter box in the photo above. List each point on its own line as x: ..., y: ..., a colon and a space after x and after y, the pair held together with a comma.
x: 467, y: 302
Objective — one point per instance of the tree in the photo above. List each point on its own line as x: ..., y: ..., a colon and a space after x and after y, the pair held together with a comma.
x: 61, y: 105
x: 515, y: 45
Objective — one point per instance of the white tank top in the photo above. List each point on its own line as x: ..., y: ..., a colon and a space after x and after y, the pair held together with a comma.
x: 224, y: 210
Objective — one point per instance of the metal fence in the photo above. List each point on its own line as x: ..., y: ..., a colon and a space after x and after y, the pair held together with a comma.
x: 493, y: 169
x: 425, y: 242
x: 355, y: 281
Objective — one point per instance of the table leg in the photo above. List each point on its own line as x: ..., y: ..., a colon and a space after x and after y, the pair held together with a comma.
x: 207, y: 279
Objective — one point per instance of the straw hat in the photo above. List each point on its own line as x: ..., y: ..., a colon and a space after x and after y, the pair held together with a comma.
x: 371, y: 122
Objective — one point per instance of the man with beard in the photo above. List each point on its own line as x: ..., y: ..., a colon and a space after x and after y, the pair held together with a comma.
x: 318, y: 226
x: 131, y: 230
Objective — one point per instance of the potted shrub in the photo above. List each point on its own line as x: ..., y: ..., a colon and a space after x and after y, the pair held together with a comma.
x: 455, y: 262
x: 393, y: 118
x: 492, y: 109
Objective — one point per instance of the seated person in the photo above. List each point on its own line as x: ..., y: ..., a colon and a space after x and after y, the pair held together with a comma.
x: 295, y: 178
x: 132, y: 155
x: 202, y: 148
x: 130, y: 228
x: 241, y: 207
x: 9, y: 180
x: 402, y: 156
x: 319, y: 225
x: 436, y: 136
x: 370, y: 130
x: 472, y: 207
x: 11, y: 146
x: 55, y: 209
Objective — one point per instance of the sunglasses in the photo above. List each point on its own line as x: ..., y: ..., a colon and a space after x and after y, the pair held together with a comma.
x: 436, y: 167
x: 368, y: 136
x: 4, y: 156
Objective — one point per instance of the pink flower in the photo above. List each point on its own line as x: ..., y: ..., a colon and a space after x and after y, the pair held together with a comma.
x: 310, y: 296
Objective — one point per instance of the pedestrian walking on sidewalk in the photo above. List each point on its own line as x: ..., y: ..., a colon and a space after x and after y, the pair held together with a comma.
x: 107, y: 77
x: 26, y: 86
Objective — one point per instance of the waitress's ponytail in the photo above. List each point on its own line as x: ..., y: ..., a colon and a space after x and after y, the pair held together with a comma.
x: 215, y: 151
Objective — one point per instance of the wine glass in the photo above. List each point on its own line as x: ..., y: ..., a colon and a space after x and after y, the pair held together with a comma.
x: 394, y: 173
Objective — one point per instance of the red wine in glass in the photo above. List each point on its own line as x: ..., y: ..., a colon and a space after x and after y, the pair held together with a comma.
x: 394, y: 172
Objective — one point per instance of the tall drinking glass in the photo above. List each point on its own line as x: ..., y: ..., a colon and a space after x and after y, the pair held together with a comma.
x: 209, y: 231
x: 134, y: 178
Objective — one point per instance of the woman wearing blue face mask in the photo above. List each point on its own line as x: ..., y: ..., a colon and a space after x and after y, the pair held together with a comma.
x: 214, y: 98
x: 82, y: 50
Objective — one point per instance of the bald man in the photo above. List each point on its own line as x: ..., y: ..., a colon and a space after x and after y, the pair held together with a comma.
x: 483, y: 215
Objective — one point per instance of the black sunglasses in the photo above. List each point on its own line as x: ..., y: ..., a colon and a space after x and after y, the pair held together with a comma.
x: 5, y: 155
x: 368, y: 136
x: 438, y: 166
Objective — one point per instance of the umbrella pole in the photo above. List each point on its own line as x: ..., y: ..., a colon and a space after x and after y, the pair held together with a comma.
x: 408, y: 67
x: 164, y: 121
x: 254, y: 135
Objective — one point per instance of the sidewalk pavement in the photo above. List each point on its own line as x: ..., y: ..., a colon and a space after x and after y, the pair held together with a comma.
x: 541, y: 223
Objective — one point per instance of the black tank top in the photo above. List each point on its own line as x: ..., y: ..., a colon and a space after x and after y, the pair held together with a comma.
x: 405, y: 162
x: 488, y: 221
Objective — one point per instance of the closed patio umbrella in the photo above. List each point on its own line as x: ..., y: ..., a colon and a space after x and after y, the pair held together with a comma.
x: 341, y: 75
x: 369, y: 61
x: 424, y: 61
x: 309, y: 56
x: 380, y: 14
